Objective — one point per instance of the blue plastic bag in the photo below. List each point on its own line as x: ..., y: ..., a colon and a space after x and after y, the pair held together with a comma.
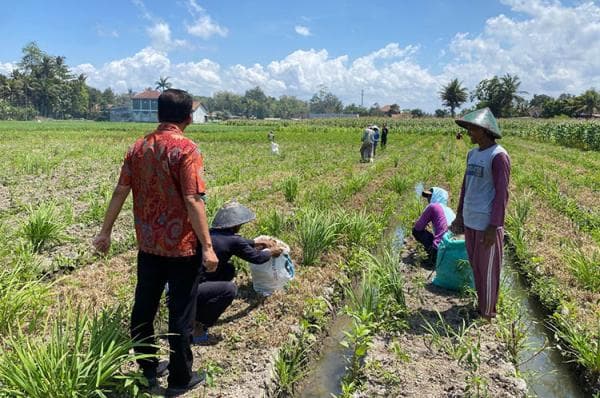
x: 452, y: 268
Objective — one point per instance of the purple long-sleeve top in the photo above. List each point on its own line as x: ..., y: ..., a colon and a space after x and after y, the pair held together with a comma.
x: 434, y: 214
x: 500, y: 175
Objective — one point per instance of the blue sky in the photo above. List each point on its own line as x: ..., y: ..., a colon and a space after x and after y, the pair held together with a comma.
x: 398, y: 52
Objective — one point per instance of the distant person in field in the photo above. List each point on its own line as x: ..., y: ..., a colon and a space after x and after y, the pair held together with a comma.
x: 217, y: 290
x: 366, y: 148
x: 164, y: 170
x: 384, y: 134
x: 482, y: 205
x: 271, y: 136
x: 375, y: 139
x: 439, y: 215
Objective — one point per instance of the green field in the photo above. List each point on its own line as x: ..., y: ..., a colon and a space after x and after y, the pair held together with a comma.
x: 58, y: 298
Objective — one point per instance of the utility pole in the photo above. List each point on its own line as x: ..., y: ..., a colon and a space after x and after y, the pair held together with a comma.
x: 362, y: 95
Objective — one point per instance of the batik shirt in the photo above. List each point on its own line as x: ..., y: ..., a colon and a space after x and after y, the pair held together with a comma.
x: 161, y: 169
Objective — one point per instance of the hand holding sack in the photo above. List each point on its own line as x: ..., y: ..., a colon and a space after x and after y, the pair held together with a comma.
x: 276, y: 273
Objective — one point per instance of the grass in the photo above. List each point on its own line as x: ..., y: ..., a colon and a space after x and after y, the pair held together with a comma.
x: 585, y: 267
x: 83, y: 357
x: 290, y: 188
x: 316, y: 232
x: 43, y: 226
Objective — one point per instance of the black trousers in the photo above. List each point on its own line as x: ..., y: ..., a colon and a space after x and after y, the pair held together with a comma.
x: 383, y: 141
x: 153, y: 273
x: 213, y: 299
x: 426, y: 239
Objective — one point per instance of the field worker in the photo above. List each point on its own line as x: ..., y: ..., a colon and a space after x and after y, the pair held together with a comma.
x: 384, y: 133
x: 271, y: 136
x: 482, y: 204
x: 217, y: 290
x: 366, y: 149
x: 375, y: 139
x: 439, y: 215
x: 164, y: 170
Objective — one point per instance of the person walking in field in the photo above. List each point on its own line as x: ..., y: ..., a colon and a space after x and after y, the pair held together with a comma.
x: 439, y: 215
x: 217, y: 290
x: 375, y: 139
x: 271, y: 136
x: 164, y: 170
x: 482, y: 206
x: 366, y: 149
x: 384, y: 134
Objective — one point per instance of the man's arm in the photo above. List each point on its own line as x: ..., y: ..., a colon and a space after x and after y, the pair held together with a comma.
x: 102, y: 240
x: 197, y: 216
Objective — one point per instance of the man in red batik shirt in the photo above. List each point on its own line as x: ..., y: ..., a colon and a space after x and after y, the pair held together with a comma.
x: 164, y: 171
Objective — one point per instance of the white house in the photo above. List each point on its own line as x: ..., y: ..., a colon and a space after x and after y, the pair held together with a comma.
x: 144, y: 108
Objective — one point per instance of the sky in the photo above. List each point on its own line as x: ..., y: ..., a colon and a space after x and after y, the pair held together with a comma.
x: 399, y: 52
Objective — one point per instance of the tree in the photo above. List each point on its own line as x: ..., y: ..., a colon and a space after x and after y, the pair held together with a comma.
x: 588, y: 102
x: 356, y: 109
x: 441, y: 113
x: 289, y: 106
x: 163, y: 84
x: 499, y: 94
x: 417, y: 112
x: 394, y: 110
x: 325, y: 102
x: 453, y: 95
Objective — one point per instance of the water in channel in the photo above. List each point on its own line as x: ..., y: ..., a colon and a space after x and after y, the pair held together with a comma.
x: 546, y: 374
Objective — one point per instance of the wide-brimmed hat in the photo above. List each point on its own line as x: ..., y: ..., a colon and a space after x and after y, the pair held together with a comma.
x: 483, y: 118
x: 231, y: 215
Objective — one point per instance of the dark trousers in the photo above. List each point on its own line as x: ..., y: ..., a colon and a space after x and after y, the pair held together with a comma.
x: 383, y: 141
x: 426, y: 239
x: 213, y: 299
x: 153, y: 273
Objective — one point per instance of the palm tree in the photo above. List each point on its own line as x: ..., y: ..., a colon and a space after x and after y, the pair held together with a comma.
x: 453, y: 95
x: 162, y: 83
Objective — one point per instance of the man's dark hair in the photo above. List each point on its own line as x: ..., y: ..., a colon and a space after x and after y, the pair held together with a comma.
x: 174, y: 106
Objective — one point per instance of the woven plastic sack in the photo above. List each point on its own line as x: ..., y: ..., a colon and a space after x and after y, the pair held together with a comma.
x: 452, y: 268
x: 274, y: 274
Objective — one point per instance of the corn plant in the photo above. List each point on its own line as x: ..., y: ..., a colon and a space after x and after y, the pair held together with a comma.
x: 453, y: 342
x: 316, y: 233
x: 511, y: 327
x: 43, y: 226
x: 359, y: 339
x: 82, y: 357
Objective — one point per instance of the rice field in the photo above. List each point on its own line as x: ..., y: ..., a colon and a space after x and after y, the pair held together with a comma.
x: 61, y: 305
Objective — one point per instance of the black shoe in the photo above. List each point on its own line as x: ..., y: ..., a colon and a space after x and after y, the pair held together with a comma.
x: 161, y: 370
x: 178, y: 390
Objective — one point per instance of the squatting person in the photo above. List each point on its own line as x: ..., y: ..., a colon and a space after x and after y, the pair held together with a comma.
x: 217, y: 290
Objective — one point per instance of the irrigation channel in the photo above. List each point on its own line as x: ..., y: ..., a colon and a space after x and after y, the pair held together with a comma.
x: 545, y: 371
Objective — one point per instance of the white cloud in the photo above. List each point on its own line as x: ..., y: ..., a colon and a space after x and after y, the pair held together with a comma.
x: 555, y: 49
x: 6, y: 68
x: 136, y: 72
x: 160, y: 37
x: 552, y: 48
x: 203, y: 25
x: 302, y: 30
